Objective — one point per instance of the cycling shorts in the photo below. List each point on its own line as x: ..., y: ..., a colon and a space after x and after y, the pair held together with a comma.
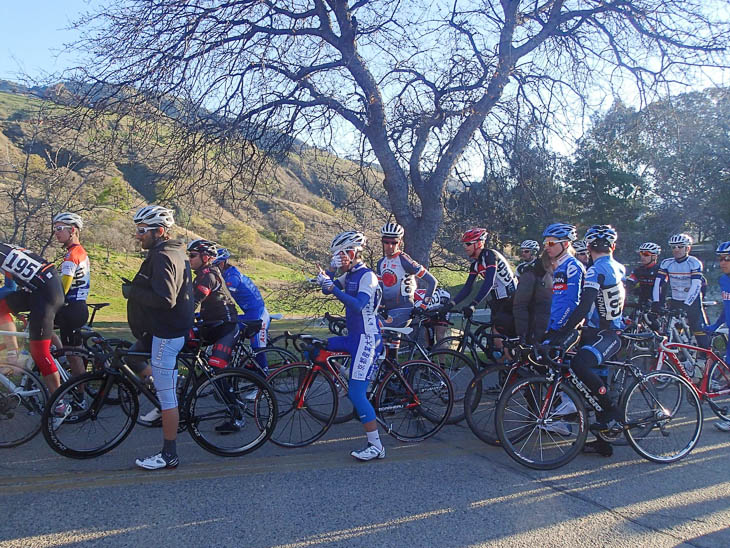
x: 72, y: 316
x: 43, y: 304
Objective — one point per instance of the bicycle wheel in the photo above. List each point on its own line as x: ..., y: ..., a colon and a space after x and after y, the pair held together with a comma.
x: 223, y: 421
x: 276, y: 357
x: 95, y: 425
x: 307, y: 401
x: 480, y: 402
x: 23, y: 397
x: 417, y: 405
x: 719, y: 381
x: 657, y: 428
x: 542, y: 443
x: 461, y: 371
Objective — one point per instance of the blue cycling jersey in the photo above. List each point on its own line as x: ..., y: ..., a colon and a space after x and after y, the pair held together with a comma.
x: 567, y: 284
x: 606, y: 276
x: 724, y: 318
x: 245, y: 293
x: 360, y: 281
x: 9, y: 287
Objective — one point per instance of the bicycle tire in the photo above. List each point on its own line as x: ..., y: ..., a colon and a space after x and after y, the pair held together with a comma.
x: 534, y: 442
x: 480, y: 402
x: 276, y: 357
x: 718, y: 380
x: 418, y: 411
x: 220, y: 399
x: 23, y: 398
x: 306, y: 401
x: 86, y: 418
x: 461, y: 371
x: 644, y: 405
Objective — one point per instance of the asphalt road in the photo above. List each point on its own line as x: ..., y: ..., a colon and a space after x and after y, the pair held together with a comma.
x: 448, y: 491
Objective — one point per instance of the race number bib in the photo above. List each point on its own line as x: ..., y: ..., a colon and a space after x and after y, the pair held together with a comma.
x: 21, y: 266
x: 613, y: 302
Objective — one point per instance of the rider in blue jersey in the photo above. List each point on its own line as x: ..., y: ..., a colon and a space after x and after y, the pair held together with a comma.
x: 359, y: 291
x: 249, y: 299
x: 601, y: 305
x: 723, y: 256
x: 568, y: 273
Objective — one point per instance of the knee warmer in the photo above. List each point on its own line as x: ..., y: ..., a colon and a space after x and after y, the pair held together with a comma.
x: 582, y: 364
x: 40, y: 351
x: 357, y: 392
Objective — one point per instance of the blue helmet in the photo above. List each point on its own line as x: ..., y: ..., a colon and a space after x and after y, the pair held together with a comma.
x: 222, y: 256
x: 723, y: 249
x: 561, y: 231
x: 601, y: 237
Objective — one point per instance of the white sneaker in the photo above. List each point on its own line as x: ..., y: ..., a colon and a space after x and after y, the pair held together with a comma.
x: 561, y: 428
x: 152, y: 415
x: 156, y: 462
x: 62, y: 410
x: 723, y: 426
x: 369, y: 453
x: 565, y: 407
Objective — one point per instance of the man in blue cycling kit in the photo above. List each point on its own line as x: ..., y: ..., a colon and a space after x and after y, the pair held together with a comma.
x: 249, y: 299
x: 601, y: 306
x: 359, y: 291
x: 568, y: 273
x: 723, y: 256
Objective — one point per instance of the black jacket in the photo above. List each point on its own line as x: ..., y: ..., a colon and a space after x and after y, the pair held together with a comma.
x: 161, y: 299
x: 531, y: 308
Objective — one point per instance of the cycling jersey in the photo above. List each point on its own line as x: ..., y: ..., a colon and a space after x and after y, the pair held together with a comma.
x: 211, y: 294
x: 245, y: 293
x: 567, y: 285
x: 28, y: 270
x: 684, y: 277
x: 440, y: 298
x: 497, y: 274
x: 524, y: 266
x: 9, y: 287
x: 724, y: 318
x: 76, y: 265
x: 641, y: 280
x: 606, y: 276
x: 397, y: 276
x: 361, y: 279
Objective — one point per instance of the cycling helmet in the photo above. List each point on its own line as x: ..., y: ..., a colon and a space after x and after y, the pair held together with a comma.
x: 223, y: 255
x: 154, y: 215
x: 532, y: 245
x: 601, y: 237
x: 651, y: 247
x: 561, y: 231
x: 204, y: 247
x: 681, y: 239
x: 68, y: 218
x: 474, y: 235
x: 392, y: 230
x: 349, y: 240
x: 723, y: 248
x: 580, y: 246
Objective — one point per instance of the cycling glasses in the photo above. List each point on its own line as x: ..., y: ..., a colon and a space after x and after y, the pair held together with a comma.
x: 724, y: 258
x: 145, y: 229
x: 551, y: 244
x: 679, y: 246
x: 390, y: 242
x: 193, y: 254
x: 646, y: 253
x: 59, y: 228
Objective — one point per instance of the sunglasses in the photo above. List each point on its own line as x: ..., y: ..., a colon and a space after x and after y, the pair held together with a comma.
x: 724, y: 258
x: 145, y: 229
x: 469, y: 244
x: 646, y: 253
x: 526, y: 250
x: 678, y: 246
x: 59, y: 228
x: 193, y: 254
x: 390, y: 242
x: 551, y: 244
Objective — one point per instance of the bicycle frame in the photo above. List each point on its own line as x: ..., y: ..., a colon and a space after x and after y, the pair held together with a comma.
x: 667, y: 351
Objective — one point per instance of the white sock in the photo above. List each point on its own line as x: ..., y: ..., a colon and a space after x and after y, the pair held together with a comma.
x: 374, y: 439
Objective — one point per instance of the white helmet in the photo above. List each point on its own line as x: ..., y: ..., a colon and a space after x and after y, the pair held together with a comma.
x: 68, y: 218
x: 650, y: 247
x: 532, y: 245
x: 681, y: 239
x: 154, y: 215
x: 392, y: 230
x: 580, y: 246
x: 349, y: 240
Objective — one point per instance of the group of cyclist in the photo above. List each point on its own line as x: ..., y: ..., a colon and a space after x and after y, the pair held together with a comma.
x: 172, y: 282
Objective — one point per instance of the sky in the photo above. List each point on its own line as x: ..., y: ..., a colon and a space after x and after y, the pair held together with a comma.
x: 32, y: 35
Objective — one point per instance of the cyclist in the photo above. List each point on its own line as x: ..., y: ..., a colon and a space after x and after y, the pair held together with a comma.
x: 359, y: 291
x: 529, y: 249
x: 601, y: 305
x: 439, y: 326
x: 568, y: 273
x: 683, y: 273
x: 160, y: 314
x: 75, y: 279
x: 534, y: 295
x: 499, y: 281
x: 581, y: 252
x: 249, y: 299
x: 397, y: 274
x: 39, y: 291
x: 723, y: 256
x: 641, y: 279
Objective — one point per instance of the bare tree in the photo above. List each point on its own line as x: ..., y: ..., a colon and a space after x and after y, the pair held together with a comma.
x: 417, y: 83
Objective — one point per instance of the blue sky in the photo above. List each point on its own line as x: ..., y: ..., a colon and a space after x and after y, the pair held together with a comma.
x: 32, y: 35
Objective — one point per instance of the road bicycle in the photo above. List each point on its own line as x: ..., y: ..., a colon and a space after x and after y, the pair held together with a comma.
x: 105, y: 405
x: 412, y: 400
x: 23, y: 397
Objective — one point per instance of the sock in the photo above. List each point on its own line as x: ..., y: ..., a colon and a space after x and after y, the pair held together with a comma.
x: 169, y: 447
x: 374, y: 439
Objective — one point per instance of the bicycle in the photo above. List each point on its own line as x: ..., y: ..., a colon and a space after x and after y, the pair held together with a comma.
x: 98, y: 423
x: 23, y: 397
x: 412, y: 400
x: 661, y: 414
